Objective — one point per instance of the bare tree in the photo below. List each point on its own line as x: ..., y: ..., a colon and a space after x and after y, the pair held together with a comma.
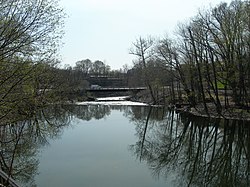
x: 143, y: 49
x: 30, y: 32
x: 84, y: 65
x: 29, y: 28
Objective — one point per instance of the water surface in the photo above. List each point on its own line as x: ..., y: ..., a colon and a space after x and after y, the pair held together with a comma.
x: 112, y: 145
x: 95, y: 152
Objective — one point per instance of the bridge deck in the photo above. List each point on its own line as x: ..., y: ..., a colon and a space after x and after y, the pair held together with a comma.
x: 115, y: 89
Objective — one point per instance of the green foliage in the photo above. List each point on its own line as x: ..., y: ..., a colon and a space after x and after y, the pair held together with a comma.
x: 220, y: 85
x: 30, y: 32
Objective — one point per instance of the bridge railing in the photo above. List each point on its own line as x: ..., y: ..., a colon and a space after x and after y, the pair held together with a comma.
x: 6, y: 180
x: 116, y: 89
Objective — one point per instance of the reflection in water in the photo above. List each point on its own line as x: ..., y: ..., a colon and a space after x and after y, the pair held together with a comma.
x: 203, y: 152
x: 89, y: 112
x: 19, y: 143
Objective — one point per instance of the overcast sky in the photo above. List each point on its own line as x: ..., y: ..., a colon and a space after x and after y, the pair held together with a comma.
x: 105, y: 29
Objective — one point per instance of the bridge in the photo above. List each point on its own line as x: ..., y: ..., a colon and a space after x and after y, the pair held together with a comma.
x: 6, y: 180
x: 115, y: 91
x: 126, y: 89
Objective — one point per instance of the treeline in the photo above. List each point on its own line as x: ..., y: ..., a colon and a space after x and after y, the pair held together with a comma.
x: 95, y: 68
x: 74, y: 80
x: 207, y: 61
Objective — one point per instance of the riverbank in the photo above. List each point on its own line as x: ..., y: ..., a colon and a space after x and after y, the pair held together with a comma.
x: 144, y: 98
x: 232, y: 112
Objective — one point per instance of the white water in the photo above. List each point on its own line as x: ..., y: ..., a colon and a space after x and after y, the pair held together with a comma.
x: 112, y: 101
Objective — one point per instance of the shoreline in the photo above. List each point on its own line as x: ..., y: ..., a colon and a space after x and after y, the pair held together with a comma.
x: 232, y: 113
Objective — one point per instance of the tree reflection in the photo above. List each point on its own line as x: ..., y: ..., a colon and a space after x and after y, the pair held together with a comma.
x: 97, y: 112
x: 197, y: 151
x: 203, y: 152
x: 19, y: 143
x: 89, y: 112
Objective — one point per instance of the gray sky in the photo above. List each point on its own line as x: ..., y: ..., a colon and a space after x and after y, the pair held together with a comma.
x: 105, y: 29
